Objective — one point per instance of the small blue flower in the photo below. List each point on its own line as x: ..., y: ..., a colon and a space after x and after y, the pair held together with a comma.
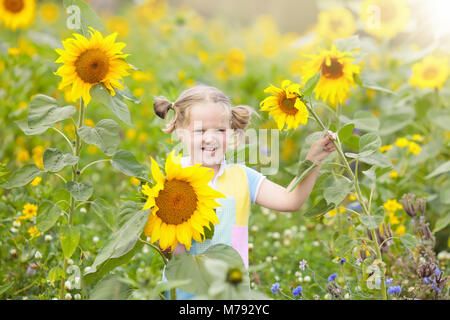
x: 297, y: 291
x: 275, y: 287
x: 438, y: 271
x: 435, y: 288
x: 303, y: 264
x: 394, y: 289
x: 355, y: 206
x: 426, y: 280
x: 332, y: 277
x: 342, y: 261
x: 388, y: 281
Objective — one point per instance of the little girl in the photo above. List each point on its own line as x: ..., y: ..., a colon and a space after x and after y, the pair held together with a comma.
x: 203, y: 119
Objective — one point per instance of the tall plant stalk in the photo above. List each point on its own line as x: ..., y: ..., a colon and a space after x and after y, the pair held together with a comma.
x: 359, y: 195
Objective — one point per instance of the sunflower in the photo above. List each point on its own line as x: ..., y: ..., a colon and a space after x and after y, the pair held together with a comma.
x: 89, y: 62
x: 181, y: 203
x: 431, y: 72
x: 384, y: 18
x: 337, y: 74
x: 17, y: 13
x: 335, y: 23
x: 285, y: 106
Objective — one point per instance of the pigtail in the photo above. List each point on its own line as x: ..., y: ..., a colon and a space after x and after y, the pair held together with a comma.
x: 162, y: 107
x: 241, y: 116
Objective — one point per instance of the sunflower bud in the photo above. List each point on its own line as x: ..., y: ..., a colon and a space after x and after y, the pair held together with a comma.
x: 234, y: 276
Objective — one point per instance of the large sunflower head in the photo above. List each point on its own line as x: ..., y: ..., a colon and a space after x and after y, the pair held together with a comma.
x: 182, y: 203
x: 337, y: 74
x: 87, y: 62
x: 335, y: 23
x: 285, y: 105
x: 431, y: 72
x: 384, y: 18
x: 17, y: 13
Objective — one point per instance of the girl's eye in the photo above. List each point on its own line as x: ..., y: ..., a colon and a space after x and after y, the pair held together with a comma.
x: 221, y: 130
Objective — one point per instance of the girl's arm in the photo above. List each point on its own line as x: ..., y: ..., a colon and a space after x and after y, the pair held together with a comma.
x: 275, y: 197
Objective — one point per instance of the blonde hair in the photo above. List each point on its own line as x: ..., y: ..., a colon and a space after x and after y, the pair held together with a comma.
x: 239, y: 115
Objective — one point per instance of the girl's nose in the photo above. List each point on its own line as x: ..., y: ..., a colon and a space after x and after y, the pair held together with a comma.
x: 208, y: 137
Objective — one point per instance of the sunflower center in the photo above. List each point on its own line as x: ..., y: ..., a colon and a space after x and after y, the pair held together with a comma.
x: 177, y: 202
x: 13, y: 5
x: 92, y: 65
x: 332, y: 71
x: 288, y: 105
x: 430, y: 73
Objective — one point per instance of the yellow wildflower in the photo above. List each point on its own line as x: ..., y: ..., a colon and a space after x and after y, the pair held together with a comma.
x: 393, y: 174
x: 235, y: 60
x: 29, y: 211
x: 401, y: 142
x: 414, y: 148
x: 417, y: 137
x: 400, y: 231
x: 23, y: 156
x: 386, y: 148
x: 392, y: 205
x: 36, y: 181
x: 33, y: 231
x: 393, y: 219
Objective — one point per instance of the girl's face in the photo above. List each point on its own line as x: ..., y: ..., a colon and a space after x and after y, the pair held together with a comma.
x: 206, y: 134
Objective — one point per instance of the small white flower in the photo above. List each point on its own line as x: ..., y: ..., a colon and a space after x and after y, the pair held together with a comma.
x: 254, y: 228
x: 300, y: 279
x: 145, y: 249
x: 16, y: 223
x: 67, y: 285
x: 68, y: 296
x: 301, y: 235
x: 95, y: 239
x: 347, y: 296
x: 316, y: 243
x: 38, y: 255
x: 442, y: 255
x: 48, y: 238
x: 13, y: 230
x: 277, y: 244
x: 265, y: 211
x: 77, y: 281
x: 69, y: 262
x: 55, y: 299
x: 77, y: 296
x: 327, y: 296
x: 303, y: 228
x: 298, y: 274
x: 83, y: 210
x: 269, y: 259
x: 13, y: 252
x: 250, y: 246
x: 286, y: 242
x: 277, y: 278
x: 307, y: 279
x: 87, y: 269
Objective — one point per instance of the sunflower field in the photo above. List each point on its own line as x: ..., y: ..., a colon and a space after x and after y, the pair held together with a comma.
x: 86, y: 171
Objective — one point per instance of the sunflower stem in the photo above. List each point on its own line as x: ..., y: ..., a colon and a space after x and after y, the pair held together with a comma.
x: 75, y: 176
x: 354, y: 177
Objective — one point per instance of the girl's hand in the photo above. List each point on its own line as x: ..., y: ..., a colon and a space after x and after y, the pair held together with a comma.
x: 320, y: 150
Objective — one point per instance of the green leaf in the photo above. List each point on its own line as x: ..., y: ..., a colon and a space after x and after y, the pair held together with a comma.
x: 114, y: 103
x: 54, y: 160
x: 209, y: 233
x: 47, y: 215
x: 194, y: 267
x: 374, y: 221
x: 343, y: 244
x: 346, y: 132
x: 112, y: 287
x: 55, y: 274
x: 440, y: 117
x: 442, y: 222
x: 21, y: 176
x: 105, y: 135
x: 348, y: 44
x: 105, y: 212
x: 81, y: 191
x: 444, y: 194
x: 311, y: 84
x: 45, y: 111
x: 370, y: 85
x: 126, y: 162
x: 363, y: 120
x: 69, y: 238
x: 337, y: 189
x: 443, y: 168
x: 369, y: 142
x: 409, y: 241
x: 23, y: 125
x: 396, y: 120
x: 376, y: 158
x: 127, y: 94
x: 319, y: 209
x: 304, y: 168
x: 88, y: 17
x: 5, y: 287
x: 121, y: 247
